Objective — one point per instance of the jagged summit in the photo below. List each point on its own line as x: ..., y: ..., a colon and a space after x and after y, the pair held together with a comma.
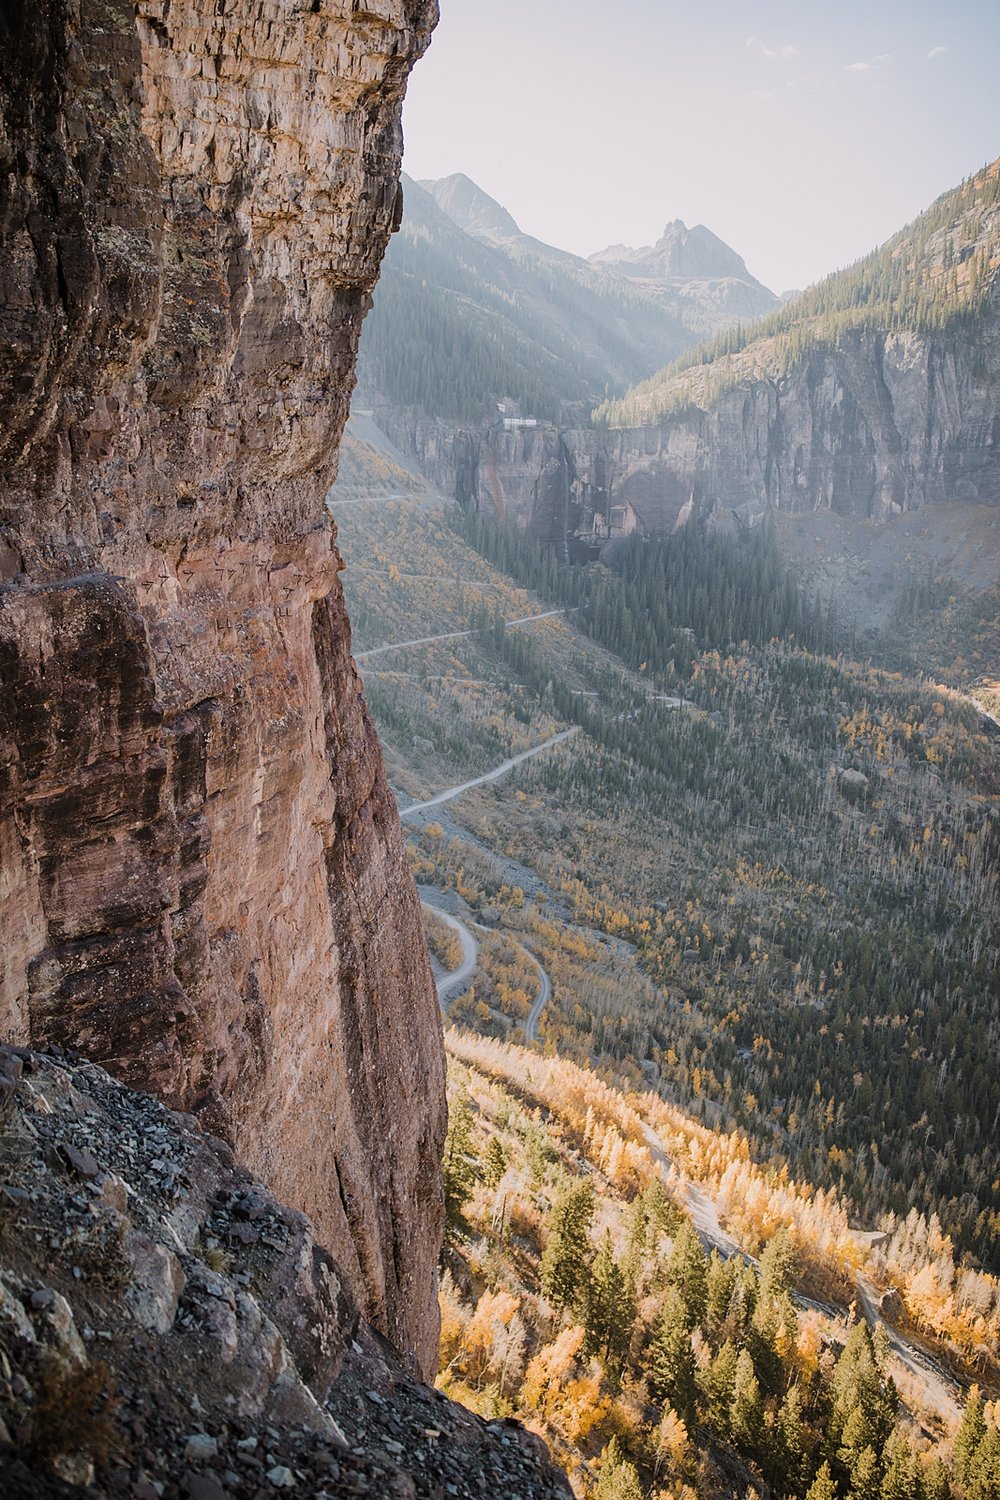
x: 471, y: 309
x: 690, y: 254
x: 472, y: 209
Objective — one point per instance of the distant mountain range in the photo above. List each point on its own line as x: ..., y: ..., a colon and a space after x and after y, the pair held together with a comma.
x: 471, y: 311
x: 873, y: 393
x: 696, y: 266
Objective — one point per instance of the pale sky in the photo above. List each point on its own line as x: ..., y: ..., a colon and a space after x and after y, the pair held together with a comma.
x: 803, y: 133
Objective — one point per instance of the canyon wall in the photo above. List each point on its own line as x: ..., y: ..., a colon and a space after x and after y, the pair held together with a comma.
x: 882, y: 424
x: 202, y: 878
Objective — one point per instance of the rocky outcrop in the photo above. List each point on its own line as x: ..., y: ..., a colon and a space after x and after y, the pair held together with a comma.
x: 169, y: 1329
x: 202, y: 879
x: 883, y: 423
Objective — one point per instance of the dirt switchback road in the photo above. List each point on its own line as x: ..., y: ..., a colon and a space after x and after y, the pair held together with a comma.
x: 452, y: 635
x: 494, y: 775
x: 451, y: 984
x: 541, y: 1000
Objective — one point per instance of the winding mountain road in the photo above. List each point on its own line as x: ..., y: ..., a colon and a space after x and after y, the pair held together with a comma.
x: 451, y: 984
x: 703, y: 1210
x: 919, y: 1362
x: 508, y: 765
x: 458, y: 978
x: 452, y: 635
x: 542, y: 999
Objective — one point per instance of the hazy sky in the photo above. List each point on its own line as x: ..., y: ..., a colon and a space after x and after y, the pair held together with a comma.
x: 802, y: 132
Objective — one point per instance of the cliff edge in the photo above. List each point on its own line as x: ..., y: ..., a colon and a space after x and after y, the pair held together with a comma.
x: 170, y: 1331
x: 202, y: 878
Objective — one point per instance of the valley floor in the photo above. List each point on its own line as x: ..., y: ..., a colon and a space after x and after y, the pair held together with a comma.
x: 661, y: 881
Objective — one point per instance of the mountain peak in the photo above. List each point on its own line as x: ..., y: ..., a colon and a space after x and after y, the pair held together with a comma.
x: 692, y: 254
x: 472, y: 209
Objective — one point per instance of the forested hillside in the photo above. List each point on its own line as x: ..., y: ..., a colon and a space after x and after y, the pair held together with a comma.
x: 706, y: 855
x: 458, y: 324
x: 931, y: 277
x: 579, y: 1296
x: 799, y: 850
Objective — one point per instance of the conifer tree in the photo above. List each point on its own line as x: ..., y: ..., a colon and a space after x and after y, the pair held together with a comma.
x: 618, y: 1478
x: 610, y: 1312
x: 983, y: 1482
x: 936, y: 1485
x: 670, y: 1359
x: 494, y: 1162
x: 687, y: 1271
x: 865, y: 1476
x: 458, y: 1168
x: 746, y: 1410
x: 720, y: 1281
x: 822, y: 1487
x: 717, y: 1385
x: 566, y: 1257
x: 791, y: 1455
x: 778, y: 1264
x: 858, y: 1383
x: 971, y: 1431
x: 901, y: 1479
x: 857, y: 1435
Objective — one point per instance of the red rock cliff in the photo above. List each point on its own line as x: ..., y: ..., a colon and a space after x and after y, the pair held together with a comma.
x: 202, y: 879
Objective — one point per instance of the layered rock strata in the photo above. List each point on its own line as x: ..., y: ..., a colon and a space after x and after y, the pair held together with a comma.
x: 202, y: 878
x: 883, y: 424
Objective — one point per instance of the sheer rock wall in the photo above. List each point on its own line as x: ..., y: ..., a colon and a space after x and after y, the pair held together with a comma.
x: 886, y: 423
x: 202, y: 878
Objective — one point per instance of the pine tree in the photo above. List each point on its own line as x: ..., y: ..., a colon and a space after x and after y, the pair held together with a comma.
x: 687, y: 1271
x: 610, y: 1312
x: 983, y: 1482
x: 717, y: 1385
x: 746, y: 1410
x: 858, y: 1382
x: 865, y: 1476
x: 720, y: 1281
x: 857, y: 1435
x: 566, y: 1257
x: 778, y: 1264
x: 670, y: 1359
x: 790, y: 1464
x: 494, y: 1162
x: 971, y: 1431
x: 822, y: 1487
x: 636, y: 1239
x: 936, y: 1485
x: 901, y: 1479
x: 618, y: 1478
x: 458, y: 1167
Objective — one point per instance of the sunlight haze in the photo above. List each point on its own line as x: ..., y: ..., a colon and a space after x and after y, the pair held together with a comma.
x: 802, y: 135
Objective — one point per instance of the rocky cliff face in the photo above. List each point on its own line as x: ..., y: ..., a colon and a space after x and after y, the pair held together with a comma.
x: 885, y: 423
x: 202, y: 880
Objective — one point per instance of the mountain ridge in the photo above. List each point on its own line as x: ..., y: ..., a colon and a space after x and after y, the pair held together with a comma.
x: 871, y: 395
x: 530, y: 324
x: 693, y: 253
